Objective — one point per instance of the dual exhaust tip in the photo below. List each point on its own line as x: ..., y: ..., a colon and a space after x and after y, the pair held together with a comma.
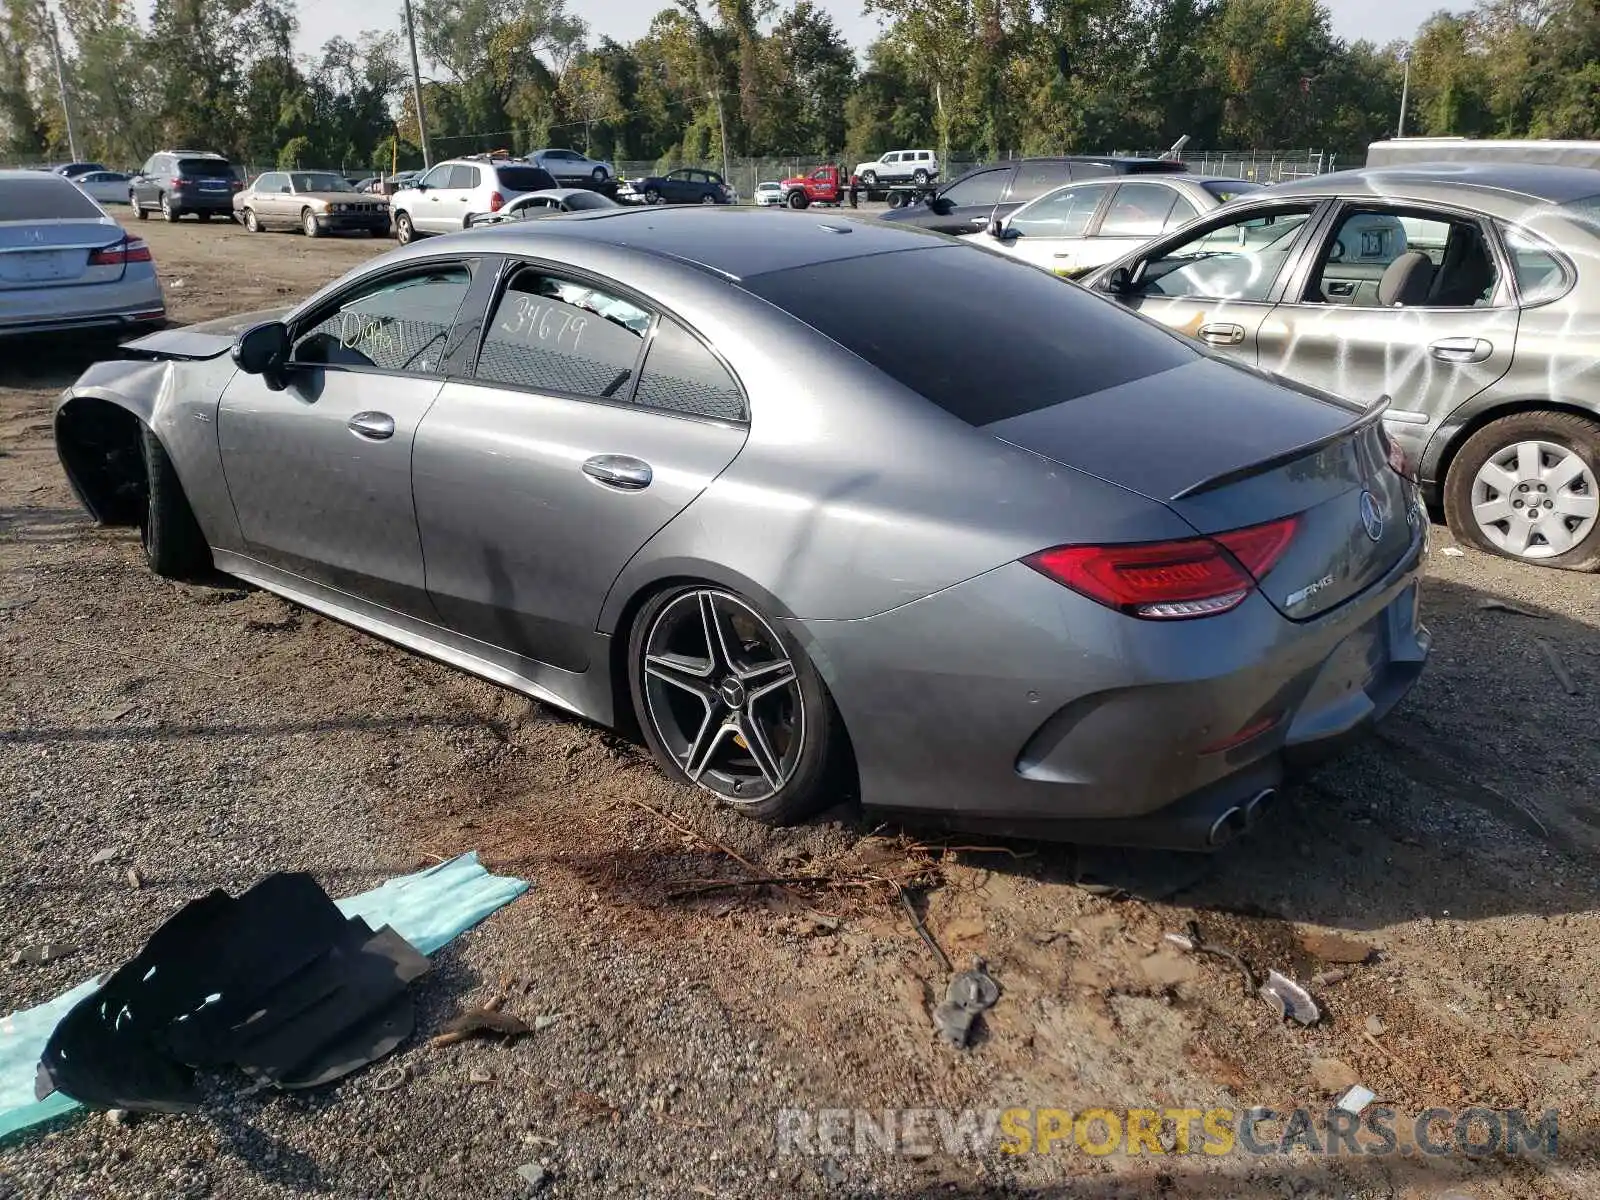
x: 1236, y: 820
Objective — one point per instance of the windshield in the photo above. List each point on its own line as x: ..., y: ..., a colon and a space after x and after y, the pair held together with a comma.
x: 319, y: 181
x: 47, y: 198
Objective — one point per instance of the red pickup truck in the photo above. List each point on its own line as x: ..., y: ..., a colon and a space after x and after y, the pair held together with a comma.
x: 825, y: 185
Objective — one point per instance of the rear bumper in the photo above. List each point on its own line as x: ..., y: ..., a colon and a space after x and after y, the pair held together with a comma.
x: 1012, y: 704
x: 187, y: 201
x: 125, y: 305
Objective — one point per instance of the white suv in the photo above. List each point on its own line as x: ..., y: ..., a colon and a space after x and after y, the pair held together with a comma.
x: 446, y: 197
x: 900, y: 166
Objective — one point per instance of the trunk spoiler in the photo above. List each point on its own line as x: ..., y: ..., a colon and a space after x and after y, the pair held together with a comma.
x: 1371, y: 415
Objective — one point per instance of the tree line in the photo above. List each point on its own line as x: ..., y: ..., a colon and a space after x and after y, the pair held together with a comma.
x: 755, y: 78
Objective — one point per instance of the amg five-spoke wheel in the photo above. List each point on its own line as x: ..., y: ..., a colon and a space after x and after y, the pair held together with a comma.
x: 728, y: 704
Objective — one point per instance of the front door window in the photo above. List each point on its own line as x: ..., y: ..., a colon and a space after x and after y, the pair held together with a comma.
x: 1239, y: 260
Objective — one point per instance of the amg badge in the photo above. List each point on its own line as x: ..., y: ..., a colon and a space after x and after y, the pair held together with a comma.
x: 1310, y: 590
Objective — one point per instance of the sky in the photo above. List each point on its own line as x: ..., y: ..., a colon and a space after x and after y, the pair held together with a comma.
x: 1377, y: 21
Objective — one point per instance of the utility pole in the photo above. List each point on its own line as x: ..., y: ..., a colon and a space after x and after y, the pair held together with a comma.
x: 722, y: 124
x: 49, y: 19
x: 1405, y: 91
x: 416, y: 86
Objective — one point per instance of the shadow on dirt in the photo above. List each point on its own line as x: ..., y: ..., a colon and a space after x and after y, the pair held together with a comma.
x: 55, y: 360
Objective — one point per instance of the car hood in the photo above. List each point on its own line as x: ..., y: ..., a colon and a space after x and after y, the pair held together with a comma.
x: 207, y: 339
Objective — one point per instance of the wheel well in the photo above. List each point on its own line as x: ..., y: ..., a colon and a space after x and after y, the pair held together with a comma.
x: 100, y: 448
x: 626, y: 722
x: 1489, y: 416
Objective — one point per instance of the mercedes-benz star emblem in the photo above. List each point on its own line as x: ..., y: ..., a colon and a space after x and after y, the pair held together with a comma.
x: 1371, y: 516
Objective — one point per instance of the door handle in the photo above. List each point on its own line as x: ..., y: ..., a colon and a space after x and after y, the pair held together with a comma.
x: 619, y: 471
x: 1221, y: 334
x: 1461, y: 350
x: 980, y: 220
x: 374, y: 426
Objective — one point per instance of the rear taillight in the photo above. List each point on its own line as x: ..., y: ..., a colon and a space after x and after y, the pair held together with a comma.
x: 496, y: 202
x: 177, y: 182
x: 1166, y: 581
x: 1397, y: 456
x: 131, y: 251
x: 236, y: 185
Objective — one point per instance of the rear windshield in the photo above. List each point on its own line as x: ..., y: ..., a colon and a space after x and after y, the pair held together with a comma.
x: 983, y: 337
x: 582, y: 200
x: 1227, y: 189
x: 46, y: 198
x: 204, y: 166
x: 525, y: 179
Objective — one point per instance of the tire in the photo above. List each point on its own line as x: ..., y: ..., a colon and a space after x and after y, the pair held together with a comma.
x: 792, y: 720
x: 797, y: 200
x: 896, y: 200
x: 1544, y: 463
x: 308, y: 222
x: 599, y: 175
x: 870, y: 178
x: 138, y: 208
x: 652, y: 196
x: 168, y: 212
x: 173, y: 544
x: 251, y: 221
x: 708, y: 198
x: 920, y: 177
x: 403, y: 231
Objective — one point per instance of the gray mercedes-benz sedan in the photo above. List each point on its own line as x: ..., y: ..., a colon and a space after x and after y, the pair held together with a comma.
x: 1010, y: 556
x: 1469, y: 294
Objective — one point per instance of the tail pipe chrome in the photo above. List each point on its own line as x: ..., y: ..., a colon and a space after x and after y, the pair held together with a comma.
x: 1258, y: 805
x: 1230, y: 823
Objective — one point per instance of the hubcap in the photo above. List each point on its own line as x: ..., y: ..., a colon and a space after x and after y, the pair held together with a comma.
x: 1535, y: 499
x: 723, y: 696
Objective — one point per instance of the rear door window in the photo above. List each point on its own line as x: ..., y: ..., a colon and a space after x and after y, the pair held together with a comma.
x: 47, y: 198
x: 463, y: 178
x: 1015, y: 313
x: 1138, y: 210
x: 555, y: 335
x: 1034, y: 179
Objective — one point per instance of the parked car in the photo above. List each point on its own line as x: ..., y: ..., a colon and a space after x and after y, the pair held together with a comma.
x: 769, y: 193
x: 66, y: 264
x: 569, y: 164
x: 899, y: 166
x: 687, y: 185
x: 1157, y: 582
x: 444, y: 199
x: 314, y: 202
x: 545, y: 204
x: 968, y: 204
x: 1085, y: 225
x: 74, y: 169
x: 105, y: 187
x: 175, y: 182
x: 1466, y: 293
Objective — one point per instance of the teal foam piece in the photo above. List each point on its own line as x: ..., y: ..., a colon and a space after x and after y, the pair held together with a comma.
x: 428, y: 909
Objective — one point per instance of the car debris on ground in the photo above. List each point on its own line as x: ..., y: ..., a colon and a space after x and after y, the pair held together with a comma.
x: 969, y: 994
x: 1289, y: 1000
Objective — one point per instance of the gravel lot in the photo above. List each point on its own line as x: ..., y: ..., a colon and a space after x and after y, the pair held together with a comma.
x: 213, y: 734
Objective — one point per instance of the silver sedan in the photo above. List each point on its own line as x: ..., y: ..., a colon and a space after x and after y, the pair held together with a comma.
x: 66, y: 264
x: 683, y: 468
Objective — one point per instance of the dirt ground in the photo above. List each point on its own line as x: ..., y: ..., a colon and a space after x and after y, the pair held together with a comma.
x: 212, y: 734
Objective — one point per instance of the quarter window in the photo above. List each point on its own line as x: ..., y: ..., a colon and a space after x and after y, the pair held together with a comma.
x: 1540, y: 275
x: 400, y: 323
x: 681, y: 375
x: 556, y: 335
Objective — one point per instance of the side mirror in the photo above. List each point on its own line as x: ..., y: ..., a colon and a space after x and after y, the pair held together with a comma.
x: 997, y: 227
x: 940, y: 205
x: 1119, y: 282
x: 264, y: 350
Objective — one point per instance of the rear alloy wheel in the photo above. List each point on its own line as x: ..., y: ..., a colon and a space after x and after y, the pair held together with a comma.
x: 652, y: 196
x: 1528, y: 487
x: 308, y: 222
x: 598, y: 175
x: 168, y: 212
x: 403, y: 233
x: 708, y: 198
x: 728, y: 703
x: 137, y: 207
x: 251, y: 221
